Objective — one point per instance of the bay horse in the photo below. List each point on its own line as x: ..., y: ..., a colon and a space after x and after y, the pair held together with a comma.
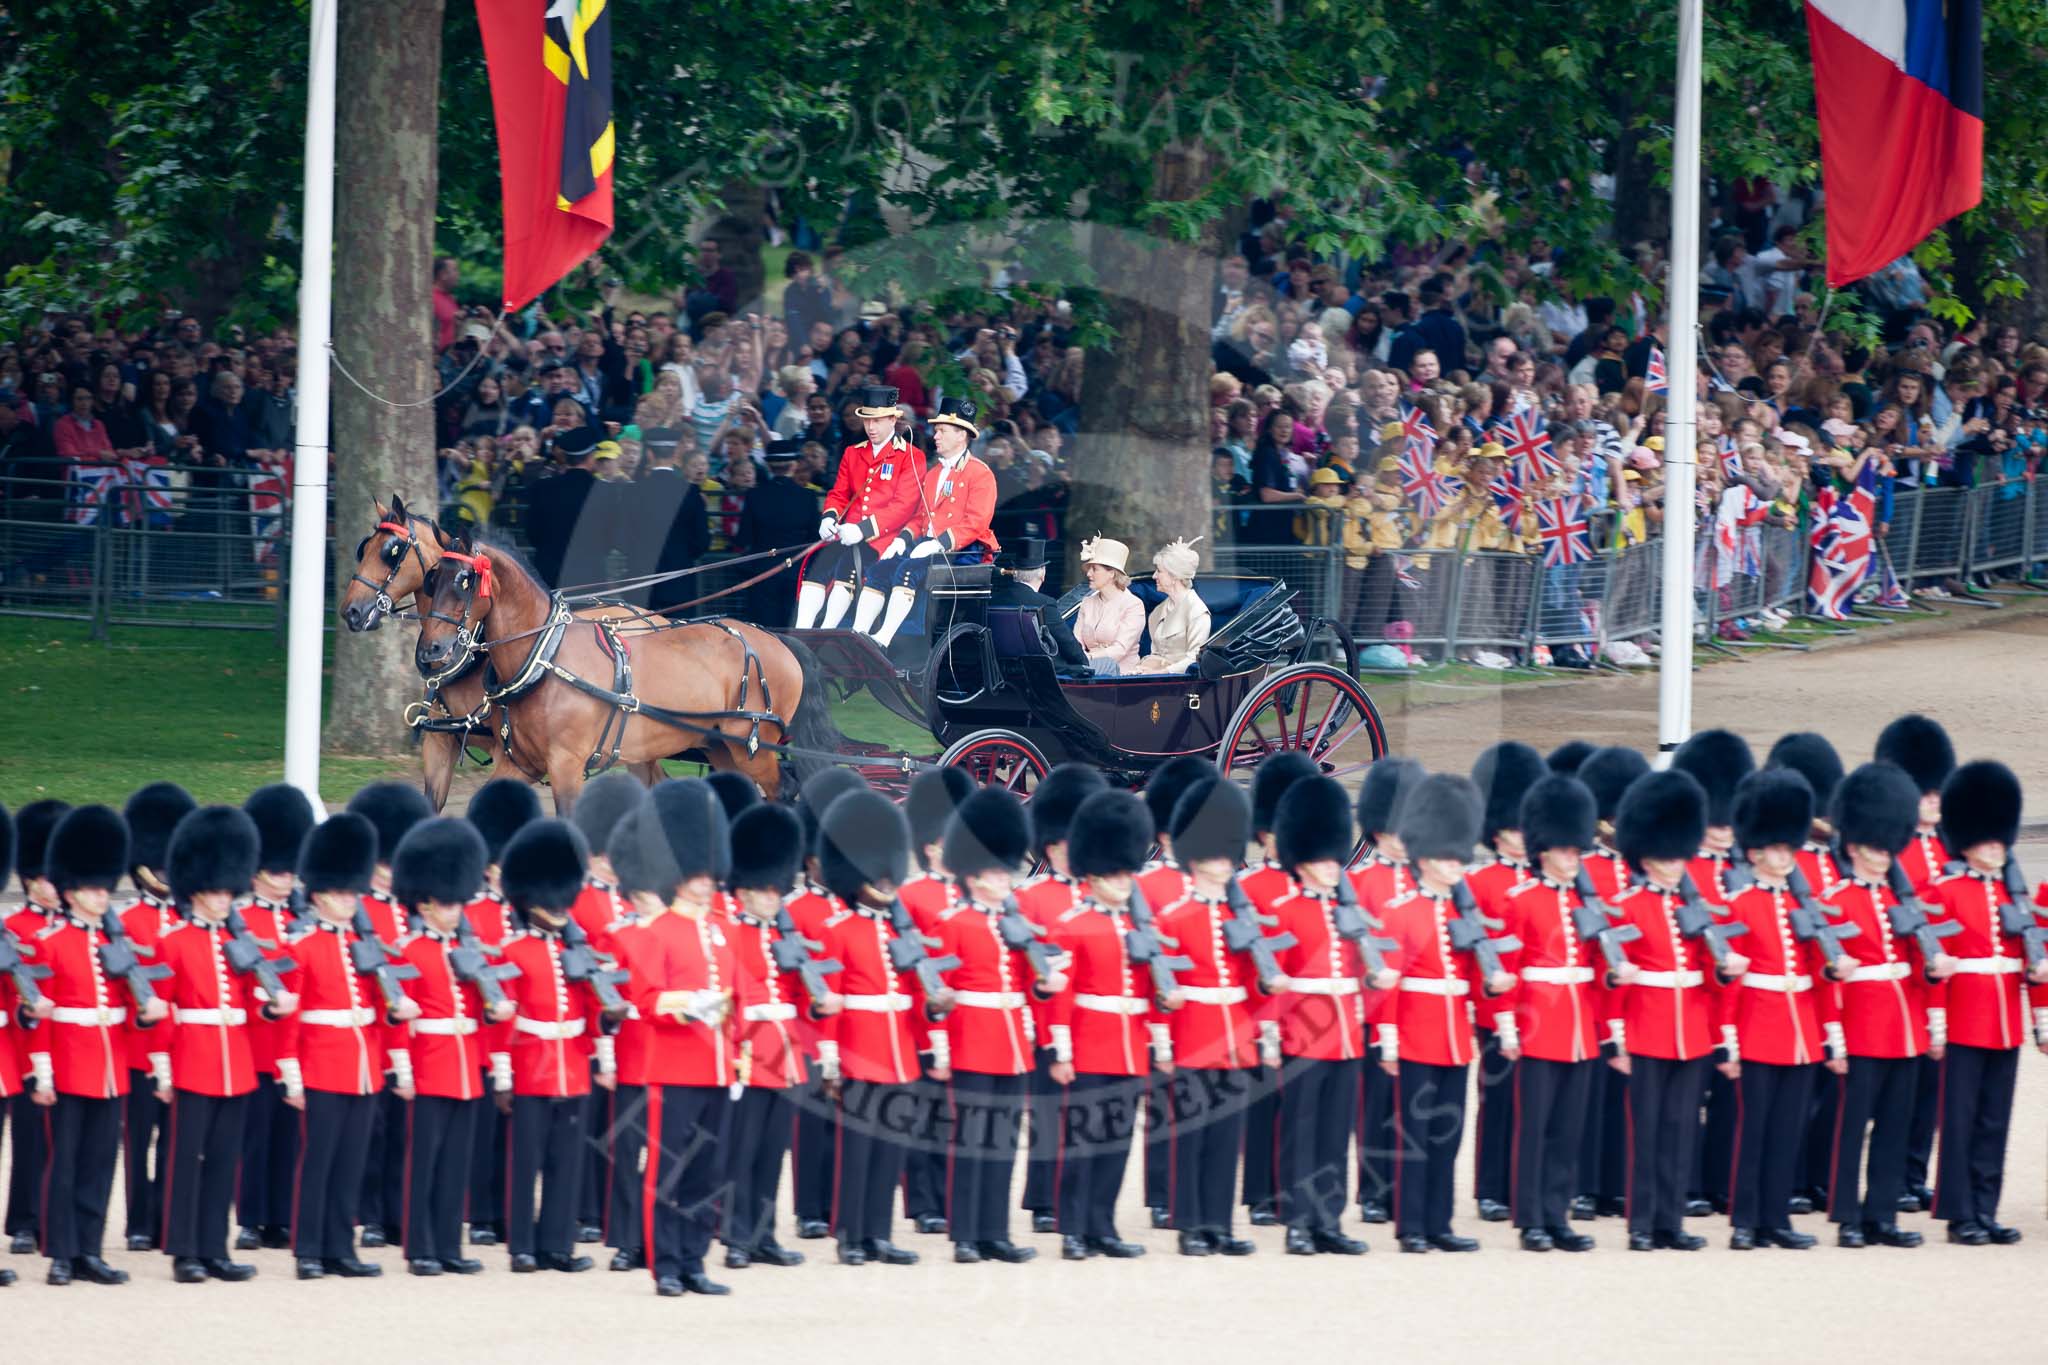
x: 580, y: 694
x: 394, y: 563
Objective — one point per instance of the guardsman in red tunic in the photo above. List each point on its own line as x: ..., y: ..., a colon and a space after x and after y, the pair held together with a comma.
x: 1981, y: 1013
x: 1554, y: 1020
x: 956, y: 505
x: 1381, y: 876
x: 79, y: 1055
x: 270, y: 1131
x: 1603, y: 1165
x: 1884, y: 1007
x: 17, y: 1016
x: 1503, y: 774
x: 1109, y: 1029
x: 41, y: 907
x: 1660, y: 1023
x: 436, y: 873
x: 1922, y: 747
x: 600, y: 808
x: 874, y: 497
x: 934, y: 795
x: 869, y: 1052
x: 152, y: 813
x: 987, y: 1041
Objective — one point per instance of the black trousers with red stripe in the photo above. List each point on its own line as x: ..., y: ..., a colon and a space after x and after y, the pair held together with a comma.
x: 1550, y: 1120
x: 146, y: 1145
x: 814, y: 1153
x: 984, y: 1132
x: 206, y: 1157
x: 679, y: 1191
x: 493, y: 1131
x: 1877, y: 1095
x: 31, y: 1154
x: 625, y: 1227
x: 1158, y: 1145
x: 1429, y: 1112
x: 1377, y: 1141
x: 1043, y: 1098
x: 334, y: 1140
x: 383, y: 1194
x: 875, y: 1120
x: 1261, y: 1141
x: 1663, y: 1126
x: 1318, y: 1110
x: 1205, y: 1111
x: 1717, y: 1141
x: 270, y: 1153
x: 84, y: 1139
x: 760, y: 1131
x: 439, y: 1150
x: 1770, y: 1134
x: 1976, y: 1113
x: 924, y: 1162
x: 1493, y: 1134
x: 546, y: 1143
x: 1926, y: 1118
x: 1095, y: 1150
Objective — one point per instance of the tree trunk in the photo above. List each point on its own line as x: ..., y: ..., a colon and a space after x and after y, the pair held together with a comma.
x: 1142, y: 472
x: 387, y: 111
x: 740, y: 237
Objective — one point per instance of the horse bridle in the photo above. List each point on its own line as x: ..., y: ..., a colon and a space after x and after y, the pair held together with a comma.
x: 402, y: 539
x: 474, y: 583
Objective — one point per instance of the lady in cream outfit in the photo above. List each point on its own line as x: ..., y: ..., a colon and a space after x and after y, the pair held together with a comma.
x: 1110, y: 619
x: 1180, y: 624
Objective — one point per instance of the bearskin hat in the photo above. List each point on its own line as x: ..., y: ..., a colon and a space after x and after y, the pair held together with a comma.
x: 1212, y: 819
x: 1980, y: 804
x: 340, y: 854
x: 544, y: 866
x: 604, y: 802
x: 1313, y: 823
x: 88, y: 848
x: 32, y: 826
x: 1919, y: 745
x: 1504, y: 774
x: 153, y: 813
x: 6, y: 847
x: 863, y: 840
x: 282, y: 816
x: 392, y: 808
x: 500, y: 809
x: 736, y: 792
x: 1607, y: 773
x: 1112, y: 835
x: 1718, y: 760
x: 767, y: 848
x: 695, y: 835
x: 640, y: 859
x: 441, y: 859
x: 1813, y: 758
x: 212, y: 849
x: 988, y: 831
x: 1774, y: 806
x: 1662, y: 815
x: 1270, y: 781
x: 1385, y: 789
x: 934, y: 795
x: 1058, y: 795
x: 1441, y: 818
x: 1567, y: 757
x: 1877, y: 806
x: 1164, y: 787
x: 1558, y: 811
x: 820, y: 790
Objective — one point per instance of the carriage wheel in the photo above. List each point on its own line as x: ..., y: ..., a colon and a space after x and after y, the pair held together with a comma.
x: 1313, y: 709
x: 999, y: 758
x: 1328, y: 642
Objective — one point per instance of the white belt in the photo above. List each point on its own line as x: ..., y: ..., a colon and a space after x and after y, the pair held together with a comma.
x: 444, y: 1028
x: 229, y: 1017
x: 1436, y: 985
x: 1670, y: 980
x: 1887, y: 971
x: 1323, y: 985
x: 1112, y: 1004
x: 891, y: 1003
x: 355, y: 1018
x: 769, y: 1014
x: 1987, y: 966
x: 553, y: 1031
x: 1558, y: 976
x: 990, y: 1000
x: 1769, y: 981
x: 1214, y: 995
x: 81, y: 1014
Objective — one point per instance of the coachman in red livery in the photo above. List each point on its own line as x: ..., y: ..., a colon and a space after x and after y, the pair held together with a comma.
x: 875, y: 496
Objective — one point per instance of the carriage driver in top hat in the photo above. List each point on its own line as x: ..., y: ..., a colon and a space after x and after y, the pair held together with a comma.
x: 874, y: 497
x: 959, y: 501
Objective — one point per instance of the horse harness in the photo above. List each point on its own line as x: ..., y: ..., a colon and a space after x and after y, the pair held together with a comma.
x: 402, y: 540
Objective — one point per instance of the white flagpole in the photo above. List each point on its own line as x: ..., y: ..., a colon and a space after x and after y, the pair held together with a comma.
x: 308, y: 580
x: 1674, y: 690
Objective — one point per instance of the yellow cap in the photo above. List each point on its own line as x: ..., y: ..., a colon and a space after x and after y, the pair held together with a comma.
x: 1492, y: 450
x: 1655, y: 443
x: 606, y: 450
x: 1389, y: 464
x: 1325, y: 477
x: 1392, y: 431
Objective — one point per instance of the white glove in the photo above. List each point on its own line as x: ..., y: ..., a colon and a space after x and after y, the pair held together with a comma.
x: 895, y: 548
x: 828, y: 1059
x: 1062, y: 1043
x: 828, y: 528
x: 1162, y: 1042
x: 401, y: 1067
x: 1269, y: 1043
x: 1390, y: 1042
x: 850, y: 535
x: 942, y: 1051
x: 1937, y: 1026
x: 160, y: 1068
x: 501, y: 1072
x: 926, y: 548
x: 1731, y: 1042
x: 1838, y: 1042
x: 607, y: 1055
x: 43, y: 1074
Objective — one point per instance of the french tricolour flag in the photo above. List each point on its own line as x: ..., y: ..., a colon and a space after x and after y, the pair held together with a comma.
x: 1900, y: 88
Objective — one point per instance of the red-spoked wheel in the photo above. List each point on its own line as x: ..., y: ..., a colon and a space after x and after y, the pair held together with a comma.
x: 1313, y: 709
x: 998, y: 758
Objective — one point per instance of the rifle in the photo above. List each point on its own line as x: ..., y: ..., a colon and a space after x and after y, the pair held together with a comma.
x: 119, y: 957
x: 793, y: 954
x: 470, y: 961
x: 246, y: 956
x: 1810, y: 922
x: 1022, y: 936
x: 1147, y: 947
x: 1909, y: 917
x: 1354, y: 922
x: 1696, y: 920
x: 907, y: 953
x: 1594, y: 922
x: 378, y: 960
x: 1245, y: 932
x: 2018, y: 918
x: 583, y: 964
x: 1738, y: 877
x: 1469, y: 933
x: 12, y: 963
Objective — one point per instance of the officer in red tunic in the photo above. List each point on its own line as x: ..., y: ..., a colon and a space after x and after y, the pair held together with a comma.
x: 40, y: 908
x: 1108, y: 1025
x: 1981, y: 1014
x: 874, y: 497
x: 437, y: 873
x: 1922, y: 747
x: 79, y: 1054
x: 330, y: 1053
x: 1660, y: 1023
x: 600, y: 807
x: 151, y: 813
x: 270, y: 1130
x: 956, y: 506
x: 1884, y: 1008
x: 1603, y: 1166
x: 1503, y: 774
x: 934, y: 795
x: 1381, y: 876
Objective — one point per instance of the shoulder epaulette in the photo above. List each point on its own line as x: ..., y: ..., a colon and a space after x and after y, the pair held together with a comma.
x: 1072, y: 912
x: 1519, y: 887
x: 837, y: 916
x: 48, y: 929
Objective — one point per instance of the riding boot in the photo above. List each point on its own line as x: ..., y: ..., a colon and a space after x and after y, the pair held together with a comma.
x: 836, y: 605
x: 901, y: 600
x: 810, y: 599
x: 870, y: 607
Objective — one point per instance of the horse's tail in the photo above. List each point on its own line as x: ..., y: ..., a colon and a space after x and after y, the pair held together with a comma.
x: 811, y: 726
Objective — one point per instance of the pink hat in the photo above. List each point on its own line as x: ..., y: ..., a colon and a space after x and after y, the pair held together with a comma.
x: 1643, y: 458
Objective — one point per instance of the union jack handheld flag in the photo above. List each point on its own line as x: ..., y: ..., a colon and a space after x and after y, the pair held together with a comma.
x: 1429, y: 490
x: 1566, y: 533
x: 1528, y: 447
x: 1843, y: 546
x: 1655, y: 380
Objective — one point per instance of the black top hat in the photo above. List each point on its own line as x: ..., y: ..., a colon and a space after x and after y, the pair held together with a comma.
x: 876, y: 400
x: 958, y: 412
x: 776, y: 451
x: 576, y: 441
x: 1022, y: 555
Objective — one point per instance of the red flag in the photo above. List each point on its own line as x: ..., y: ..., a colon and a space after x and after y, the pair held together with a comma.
x: 551, y: 89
